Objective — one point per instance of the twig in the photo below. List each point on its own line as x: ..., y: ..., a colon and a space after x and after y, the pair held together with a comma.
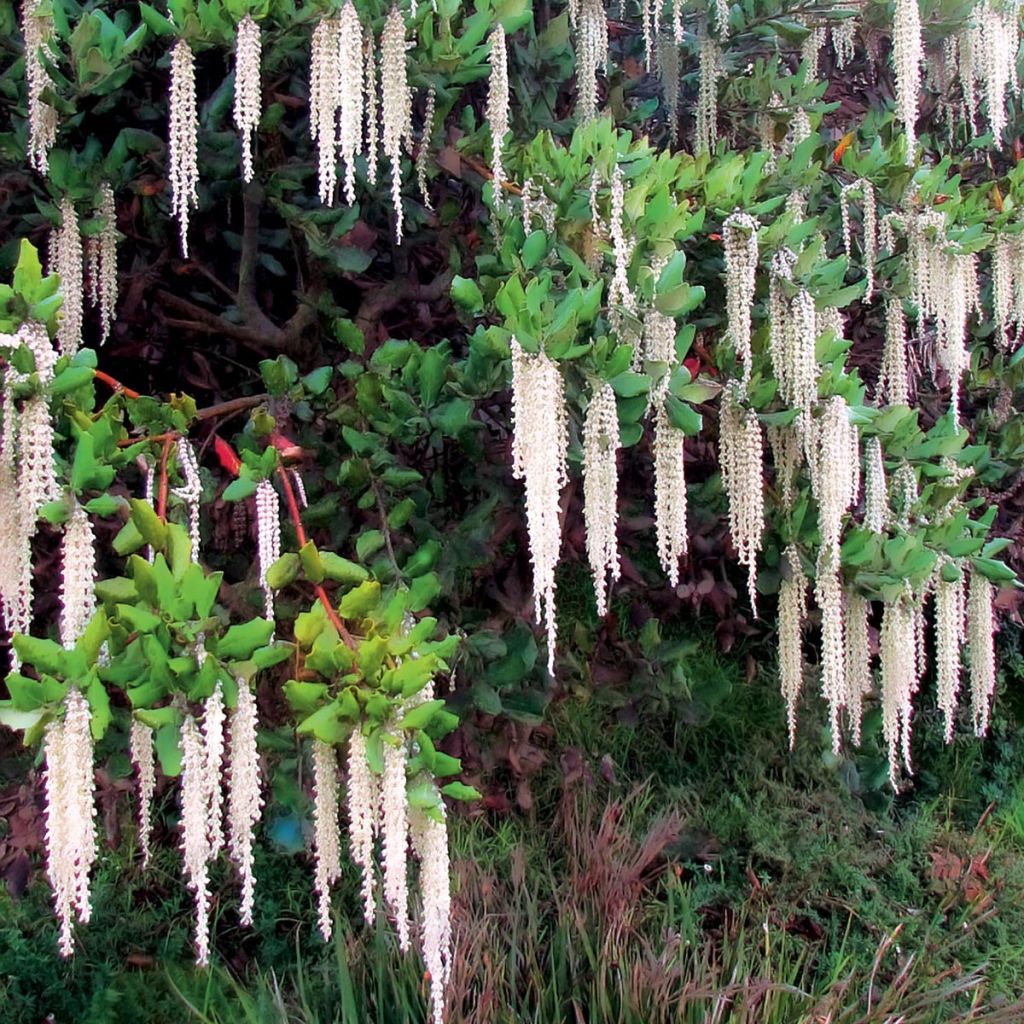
x: 384, y: 528
x: 161, y: 504
x: 117, y: 387
x: 485, y: 172
x: 300, y: 535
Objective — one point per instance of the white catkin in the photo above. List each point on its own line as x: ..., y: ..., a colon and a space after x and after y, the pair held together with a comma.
x: 363, y: 800
x: 620, y: 295
x: 669, y: 70
x: 792, y: 612
x: 741, y: 456
x: 268, y: 538
x: 539, y: 446
x: 141, y: 748
x: 191, y: 491
x: 423, y: 153
x: 591, y: 55
x: 907, y: 55
x: 105, y: 248
x: 195, y: 844
x: 37, y: 31
x: 350, y: 86
x: 835, y: 474
x: 247, y: 101
x: 876, y: 502
x: 856, y: 610
x: 66, y: 261
x: 396, y: 105
x: 793, y: 332
x: 324, y: 101
x: 899, y: 682
x: 371, y: 105
x: 787, y: 453
x: 1004, y: 259
x: 70, y: 814
x: 600, y: 491
x: 669, y: 493
x: 182, y: 143
x: 712, y: 68
x: 893, y: 385
x: 981, y: 653
x: 244, y: 796
x: 843, y: 41
x: 326, y: 843
x: 78, y: 601
x: 949, y: 639
x: 430, y: 845
x: 828, y: 594
x: 498, y: 107
x: 213, y: 747
x: 395, y: 838
x: 739, y: 240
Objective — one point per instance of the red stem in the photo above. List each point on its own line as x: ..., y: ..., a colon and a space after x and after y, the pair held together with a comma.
x: 300, y: 534
x: 116, y: 385
x: 161, y: 504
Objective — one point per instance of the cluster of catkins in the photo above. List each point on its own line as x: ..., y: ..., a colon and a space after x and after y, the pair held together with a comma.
x: 360, y: 105
x: 541, y: 437
x: 378, y: 809
x: 823, y: 439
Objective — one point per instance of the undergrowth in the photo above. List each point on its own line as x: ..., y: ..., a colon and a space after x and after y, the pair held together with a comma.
x: 678, y: 863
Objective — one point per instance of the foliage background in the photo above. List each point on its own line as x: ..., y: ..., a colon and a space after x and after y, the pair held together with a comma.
x: 406, y: 462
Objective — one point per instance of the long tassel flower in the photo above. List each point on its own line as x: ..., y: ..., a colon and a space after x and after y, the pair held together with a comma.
x: 247, y: 105
x: 539, y: 446
x: 430, y: 845
x: 394, y: 825
x: 183, y: 146
x: 325, y: 830
x: 37, y: 31
x: 792, y: 612
x: 268, y: 537
x: 244, y: 797
x: 363, y: 800
x: 498, y: 107
x: 141, y: 747
x: 601, y: 490
x: 78, y: 601
x: 396, y: 106
x: 70, y: 814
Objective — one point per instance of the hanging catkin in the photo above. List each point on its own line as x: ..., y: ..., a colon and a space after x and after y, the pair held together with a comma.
x: 396, y: 106
x: 741, y: 456
x: 539, y: 445
x: 182, y: 145
x: 739, y: 240
x: 498, y: 107
x: 600, y: 491
x: 248, y: 53
x: 792, y: 612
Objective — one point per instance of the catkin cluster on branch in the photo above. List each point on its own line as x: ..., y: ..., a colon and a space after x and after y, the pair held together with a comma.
x: 539, y: 446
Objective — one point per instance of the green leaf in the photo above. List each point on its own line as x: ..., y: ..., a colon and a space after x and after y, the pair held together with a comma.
x: 239, y: 490
x: 460, y: 791
x: 325, y: 724
x: 994, y: 570
x: 128, y: 539
x: 423, y: 590
x: 70, y: 379
x: 304, y: 698
x: 368, y: 543
x: 630, y: 385
x: 44, y: 655
x: 167, y: 743
x: 151, y: 527
x: 284, y: 571
x: 99, y: 707
x: 311, y: 564
x: 106, y: 505
x: 433, y: 367
x: 683, y: 416
x: 356, y: 603
x: 423, y: 559
x: 240, y: 641
x: 535, y: 248
x: 420, y: 716
x: 341, y: 569
x: 466, y: 295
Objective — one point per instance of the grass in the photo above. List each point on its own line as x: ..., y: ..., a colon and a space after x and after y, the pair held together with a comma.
x: 678, y: 864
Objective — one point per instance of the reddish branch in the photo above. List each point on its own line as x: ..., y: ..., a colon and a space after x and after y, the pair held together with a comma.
x: 300, y: 534
x: 161, y: 504
x: 117, y: 387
